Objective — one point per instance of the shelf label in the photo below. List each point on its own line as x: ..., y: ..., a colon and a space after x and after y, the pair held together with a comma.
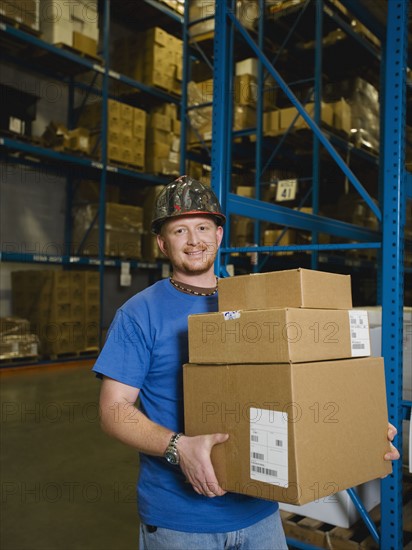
x: 112, y: 169
x: 286, y: 190
x: 114, y: 74
x: 92, y: 261
x: 110, y: 263
x: 98, y: 68
x: 98, y: 165
x: 74, y: 259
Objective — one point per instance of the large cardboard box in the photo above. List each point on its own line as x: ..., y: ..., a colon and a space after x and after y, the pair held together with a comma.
x: 297, y: 432
x: 278, y: 335
x: 289, y: 288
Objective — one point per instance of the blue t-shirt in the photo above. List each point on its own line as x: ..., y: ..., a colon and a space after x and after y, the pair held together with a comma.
x: 146, y: 347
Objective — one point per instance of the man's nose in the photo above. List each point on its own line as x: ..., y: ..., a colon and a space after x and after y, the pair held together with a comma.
x: 192, y: 237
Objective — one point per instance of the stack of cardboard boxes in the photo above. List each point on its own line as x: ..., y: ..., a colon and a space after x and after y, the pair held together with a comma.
x: 73, y: 24
x: 153, y: 57
x: 63, y: 308
x: 123, y: 230
x: 283, y: 368
x: 163, y: 140
x: 126, y: 131
x: 23, y: 12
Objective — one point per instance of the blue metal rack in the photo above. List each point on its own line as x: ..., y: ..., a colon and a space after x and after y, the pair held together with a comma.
x: 23, y: 152
x: 395, y: 184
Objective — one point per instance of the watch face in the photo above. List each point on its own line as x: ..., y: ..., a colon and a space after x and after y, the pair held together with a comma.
x: 172, y: 457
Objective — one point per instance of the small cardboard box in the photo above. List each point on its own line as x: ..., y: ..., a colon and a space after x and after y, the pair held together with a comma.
x: 290, y: 288
x: 278, y: 336
x: 298, y: 432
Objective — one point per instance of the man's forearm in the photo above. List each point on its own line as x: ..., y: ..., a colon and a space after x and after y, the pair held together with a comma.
x: 130, y: 426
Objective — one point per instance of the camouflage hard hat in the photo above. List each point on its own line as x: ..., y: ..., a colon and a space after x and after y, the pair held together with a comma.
x: 185, y: 196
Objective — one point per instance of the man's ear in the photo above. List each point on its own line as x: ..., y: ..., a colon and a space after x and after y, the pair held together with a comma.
x: 161, y: 243
x: 219, y: 234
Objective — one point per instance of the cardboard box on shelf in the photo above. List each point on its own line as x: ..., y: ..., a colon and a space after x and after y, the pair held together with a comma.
x: 287, y: 115
x: 289, y: 288
x: 342, y: 116
x: 339, y: 509
x: 279, y: 237
x: 84, y: 44
x: 281, y: 418
x: 278, y: 335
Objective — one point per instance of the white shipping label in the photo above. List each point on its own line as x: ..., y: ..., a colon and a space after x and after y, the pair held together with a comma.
x: 269, y: 446
x: 359, y: 333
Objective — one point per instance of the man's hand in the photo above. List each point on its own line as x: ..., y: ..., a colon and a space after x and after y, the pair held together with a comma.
x: 393, y: 454
x: 196, y: 464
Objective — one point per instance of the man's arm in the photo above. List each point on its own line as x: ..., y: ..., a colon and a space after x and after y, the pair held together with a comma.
x: 121, y: 419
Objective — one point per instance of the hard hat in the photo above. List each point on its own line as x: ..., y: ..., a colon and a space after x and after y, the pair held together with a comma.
x: 185, y: 196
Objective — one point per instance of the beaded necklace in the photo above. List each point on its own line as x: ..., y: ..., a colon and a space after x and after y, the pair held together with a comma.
x: 191, y: 290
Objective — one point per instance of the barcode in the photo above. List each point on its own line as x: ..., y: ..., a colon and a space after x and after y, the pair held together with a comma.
x: 279, y: 443
x: 353, y: 321
x: 258, y: 456
x: 266, y: 471
x: 354, y: 334
x: 254, y: 438
x: 358, y: 346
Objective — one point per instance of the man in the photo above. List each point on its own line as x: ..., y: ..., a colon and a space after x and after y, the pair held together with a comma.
x: 181, y: 504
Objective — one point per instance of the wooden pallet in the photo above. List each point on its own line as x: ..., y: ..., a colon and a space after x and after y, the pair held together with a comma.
x: 80, y: 53
x: 357, y: 537
x: 19, y: 25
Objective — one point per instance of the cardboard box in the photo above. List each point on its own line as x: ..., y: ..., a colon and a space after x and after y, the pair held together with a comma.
x: 297, y: 432
x: 84, y: 44
x: 278, y: 336
x: 339, y: 509
x: 290, y: 288
x: 287, y: 116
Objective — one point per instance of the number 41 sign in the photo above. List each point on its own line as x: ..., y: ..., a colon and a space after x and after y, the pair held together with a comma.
x: 286, y: 190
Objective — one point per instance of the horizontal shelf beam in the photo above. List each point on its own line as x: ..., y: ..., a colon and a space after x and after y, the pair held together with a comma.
x: 30, y: 257
x: 263, y: 211
x: 43, y: 152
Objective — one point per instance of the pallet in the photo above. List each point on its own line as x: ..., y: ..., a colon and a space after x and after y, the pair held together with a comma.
x: 125, y: 165
x: 324, y: 535
x: 15, y: 361
x: 80, y: 53
x: 357, y: 537
x: 19, y: 25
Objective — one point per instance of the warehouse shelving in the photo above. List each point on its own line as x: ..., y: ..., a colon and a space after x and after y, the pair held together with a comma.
x: 395, y: 189
x: 91, y: 75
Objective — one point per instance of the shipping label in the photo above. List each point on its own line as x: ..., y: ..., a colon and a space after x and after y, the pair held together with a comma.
x: 269, y: 446
x: 359, y: 333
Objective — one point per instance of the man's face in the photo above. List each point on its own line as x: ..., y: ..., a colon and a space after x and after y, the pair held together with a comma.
x: 191, y: 243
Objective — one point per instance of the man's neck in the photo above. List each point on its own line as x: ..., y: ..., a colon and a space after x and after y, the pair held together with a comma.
x: 203, y: 280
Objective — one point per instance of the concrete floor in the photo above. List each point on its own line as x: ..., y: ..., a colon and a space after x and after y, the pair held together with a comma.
x: 64, y: 483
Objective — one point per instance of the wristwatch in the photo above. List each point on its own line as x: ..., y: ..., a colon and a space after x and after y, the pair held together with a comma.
x: 171, y: 454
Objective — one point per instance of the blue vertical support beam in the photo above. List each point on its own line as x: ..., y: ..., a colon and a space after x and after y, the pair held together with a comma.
x: 317, y: 114
x: 102, y: 196
x: 394, y: 209
x: 222, y: 108
x: 68, y: 229
x: 260, y: 98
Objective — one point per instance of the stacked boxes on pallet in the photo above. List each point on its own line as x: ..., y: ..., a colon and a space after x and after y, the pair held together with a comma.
x: 163, y: 140
x: 74, y: 24
x: 283, y: 368
x: 158, y: 63
x: 63, y: 308
x: 23, y: 12
x: 126, y: 131
x: 123, y: 230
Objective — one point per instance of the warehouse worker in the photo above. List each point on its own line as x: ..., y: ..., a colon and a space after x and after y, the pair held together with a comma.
x: 181, y: 504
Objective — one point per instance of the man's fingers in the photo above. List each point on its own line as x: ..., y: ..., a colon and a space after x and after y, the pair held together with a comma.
x: 393, y: 454
x: 392, y: 431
